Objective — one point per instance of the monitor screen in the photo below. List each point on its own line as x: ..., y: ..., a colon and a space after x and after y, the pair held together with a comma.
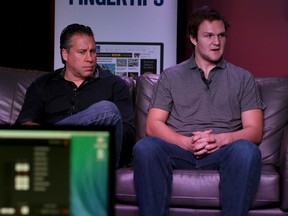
x: 56, y: 171
x: 130, y: 59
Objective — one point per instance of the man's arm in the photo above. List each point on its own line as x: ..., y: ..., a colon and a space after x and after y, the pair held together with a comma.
x: 31, y: 111
x: 156, y: 126
x: 29, y: 123
x: 205, y: 141
x: 252, y: 121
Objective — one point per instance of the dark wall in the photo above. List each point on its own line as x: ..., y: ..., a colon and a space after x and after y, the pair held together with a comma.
x: 27, y: 34
x: 257, y: 38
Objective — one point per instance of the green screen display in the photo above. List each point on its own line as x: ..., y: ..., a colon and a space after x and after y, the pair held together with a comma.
x: 55, y: 172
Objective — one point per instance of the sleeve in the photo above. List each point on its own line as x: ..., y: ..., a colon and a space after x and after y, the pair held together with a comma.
x: 161, y: 97
x: 251, y: 98
x: 32, y: 109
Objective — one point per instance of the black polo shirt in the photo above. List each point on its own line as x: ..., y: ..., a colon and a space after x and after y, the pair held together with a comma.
x: 51, y: 98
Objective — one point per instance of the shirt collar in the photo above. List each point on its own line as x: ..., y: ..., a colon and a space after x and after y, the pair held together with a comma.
x: 192, y: 64
x: 95, y: 76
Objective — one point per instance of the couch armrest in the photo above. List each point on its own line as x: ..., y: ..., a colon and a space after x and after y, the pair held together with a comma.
x: 13, y: 85
x: 283, y: 164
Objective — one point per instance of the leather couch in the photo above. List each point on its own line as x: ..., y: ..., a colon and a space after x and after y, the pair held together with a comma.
x: 197, y: 192
x: 194, y: 192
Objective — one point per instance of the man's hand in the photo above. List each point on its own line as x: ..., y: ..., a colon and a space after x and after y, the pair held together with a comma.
x: 203, y: 143
x: 29, y: 123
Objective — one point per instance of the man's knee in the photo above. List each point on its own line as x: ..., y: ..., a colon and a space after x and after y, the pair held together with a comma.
x: 105, y: 106
x: 246, y: 149
x: 146, y: 147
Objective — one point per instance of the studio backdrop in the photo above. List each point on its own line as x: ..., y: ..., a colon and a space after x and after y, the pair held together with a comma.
x: 148, y: 28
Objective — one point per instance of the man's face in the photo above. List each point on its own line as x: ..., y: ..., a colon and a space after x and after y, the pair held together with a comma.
x: 81, y: 59
x: 210, y: 43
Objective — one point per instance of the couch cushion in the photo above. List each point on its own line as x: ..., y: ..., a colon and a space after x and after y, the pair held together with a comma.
x: 200, y: 188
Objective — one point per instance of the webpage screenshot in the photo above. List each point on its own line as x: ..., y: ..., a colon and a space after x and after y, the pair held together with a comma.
x: 130, y: 59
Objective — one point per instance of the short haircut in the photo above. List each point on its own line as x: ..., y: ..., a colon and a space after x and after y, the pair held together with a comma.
x: 201, y: 14
x: 71, y: 30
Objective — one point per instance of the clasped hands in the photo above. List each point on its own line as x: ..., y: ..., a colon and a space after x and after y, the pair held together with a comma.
x: 203, y: 143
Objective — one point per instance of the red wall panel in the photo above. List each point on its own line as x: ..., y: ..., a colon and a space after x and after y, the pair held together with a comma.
x: 258, y: 36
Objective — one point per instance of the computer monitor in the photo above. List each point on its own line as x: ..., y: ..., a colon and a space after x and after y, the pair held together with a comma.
x: 61, y: 170
x: 130, y: 59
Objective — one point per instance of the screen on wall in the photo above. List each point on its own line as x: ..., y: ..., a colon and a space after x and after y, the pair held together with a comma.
x: 130, y: 59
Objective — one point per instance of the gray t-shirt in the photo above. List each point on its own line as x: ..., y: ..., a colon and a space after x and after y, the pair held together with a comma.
x: 196, y: 106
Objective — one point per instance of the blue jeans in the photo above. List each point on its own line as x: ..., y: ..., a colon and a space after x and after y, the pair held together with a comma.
x: 239, y: 165
x: 103, y: 113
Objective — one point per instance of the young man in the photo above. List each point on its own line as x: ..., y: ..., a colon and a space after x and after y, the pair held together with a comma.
x: 206, y: 113
x: 81, y: 93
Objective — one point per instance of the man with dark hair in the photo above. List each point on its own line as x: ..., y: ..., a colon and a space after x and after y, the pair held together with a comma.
x: 205, y: 113
x: 81, y: 93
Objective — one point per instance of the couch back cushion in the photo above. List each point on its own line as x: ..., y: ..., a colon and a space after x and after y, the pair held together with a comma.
x: 273, y: 90
x: 143, y: 91
x: 13, y: 86
x: 274, y: 93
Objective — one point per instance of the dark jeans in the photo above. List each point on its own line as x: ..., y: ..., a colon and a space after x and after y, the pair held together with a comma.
x: 239, y: 164
x: 103, y: 113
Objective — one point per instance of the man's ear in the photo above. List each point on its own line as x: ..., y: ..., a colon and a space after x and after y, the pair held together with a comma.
x: 64, y: 54
x: 193, y: 40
